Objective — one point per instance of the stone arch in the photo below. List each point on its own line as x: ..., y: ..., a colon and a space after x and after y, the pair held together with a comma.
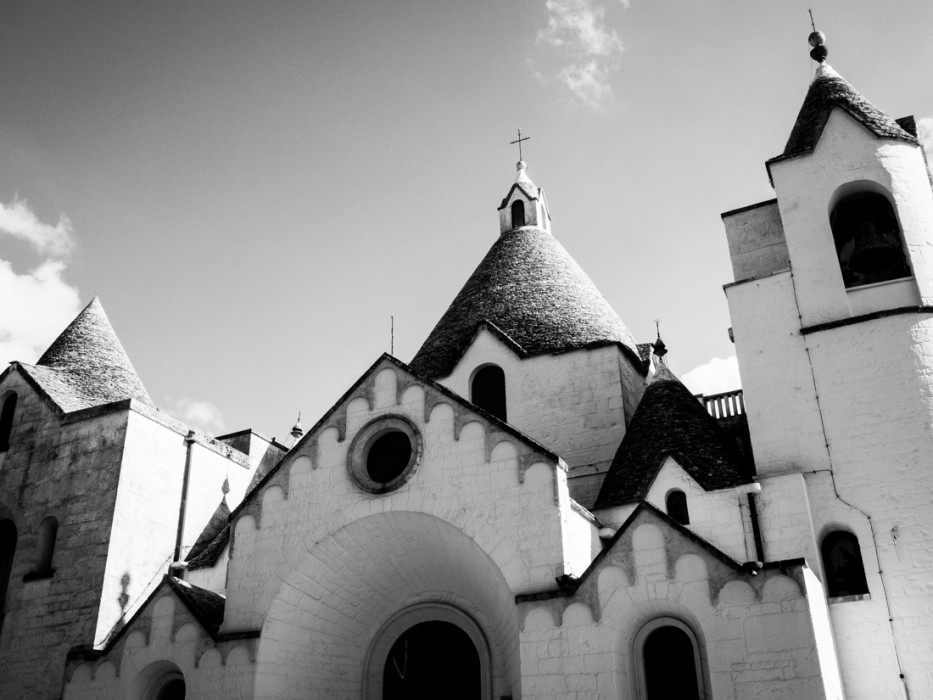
x: 160, y: 679
x: 695, y: 652
x: 379, y: 651
x: 348, y: 585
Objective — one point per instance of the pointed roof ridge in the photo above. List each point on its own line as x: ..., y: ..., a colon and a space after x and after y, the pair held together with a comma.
x: 669, y: 422
x: 212, y: 539
x: 829, y: 90
x: 90, y: 357
x: 529, y: 287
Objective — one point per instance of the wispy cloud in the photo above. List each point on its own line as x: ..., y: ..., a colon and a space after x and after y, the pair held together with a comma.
x: 19, y: 221
x: 925, y: 134
x: 201, y: 414
x: 590, y: 49
x: 718, y: 375
x: 39, y: 304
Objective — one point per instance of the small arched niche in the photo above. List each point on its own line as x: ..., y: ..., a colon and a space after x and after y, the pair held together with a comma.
x: 676, y: 505
x: 842, y: 565
x: 161, y: 680
x: 668, y: 662
x: 518, y: 213
x: 867, y: 235
x: 487, y: 390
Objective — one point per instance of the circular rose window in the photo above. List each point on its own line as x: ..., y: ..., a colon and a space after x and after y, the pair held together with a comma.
x: 384, y: 454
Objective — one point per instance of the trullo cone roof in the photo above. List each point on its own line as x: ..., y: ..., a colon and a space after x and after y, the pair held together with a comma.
x: 530, y: 288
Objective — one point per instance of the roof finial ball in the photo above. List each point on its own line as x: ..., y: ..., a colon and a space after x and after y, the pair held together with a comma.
x: 817, y: 40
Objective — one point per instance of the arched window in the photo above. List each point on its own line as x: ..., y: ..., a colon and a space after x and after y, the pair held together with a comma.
x: 676, y: 504
x: 48, y: 530
x: 7, y: 550
x: 668, y: 661
x: 487, y: 390
x: 518, y: 213
x: 842, y: 565
x: 868, y: 239
x: 6, y: 420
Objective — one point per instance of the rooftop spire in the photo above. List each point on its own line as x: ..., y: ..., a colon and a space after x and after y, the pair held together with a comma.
x: 297, y: 431
x: 92, y: 356
x: 817, y: 41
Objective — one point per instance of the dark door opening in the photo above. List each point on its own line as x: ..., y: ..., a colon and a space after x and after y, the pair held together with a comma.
x: 670, y: 667
x: 432, y: 660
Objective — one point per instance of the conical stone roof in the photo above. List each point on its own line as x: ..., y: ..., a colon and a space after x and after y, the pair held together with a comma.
x: 87, y: 364
x: 530, y: 288
x: 827, y: 91
x: 669, y: 421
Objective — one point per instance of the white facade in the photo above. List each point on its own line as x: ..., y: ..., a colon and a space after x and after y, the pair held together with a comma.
x: 477, y: 520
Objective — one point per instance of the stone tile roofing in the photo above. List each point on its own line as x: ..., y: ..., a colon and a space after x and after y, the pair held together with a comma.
x: 829, y: 90
x: 530, y: 288
x: 87, y: 365
x: 669, y: 422
x: 212, y: 540
x: 206, y: 606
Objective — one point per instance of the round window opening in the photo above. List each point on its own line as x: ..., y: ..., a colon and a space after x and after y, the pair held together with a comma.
x: 388, y: 456
x: 384, y: 454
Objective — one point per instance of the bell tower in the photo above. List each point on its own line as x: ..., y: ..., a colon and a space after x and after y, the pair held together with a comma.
x: 832, y: 313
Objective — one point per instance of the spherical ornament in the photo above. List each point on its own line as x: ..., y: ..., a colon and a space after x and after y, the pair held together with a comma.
x: 817, y: 38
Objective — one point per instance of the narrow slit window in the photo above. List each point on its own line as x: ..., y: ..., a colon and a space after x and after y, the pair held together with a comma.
x: 6, y: 421
x: 7, y: 550
x: 48, y: 532
x: 487, y: 390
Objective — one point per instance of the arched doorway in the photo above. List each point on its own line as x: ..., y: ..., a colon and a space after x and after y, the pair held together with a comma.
x: 162, y: 680
x: 669, y: 663
x: 429, y: 651
x: 430, y: 660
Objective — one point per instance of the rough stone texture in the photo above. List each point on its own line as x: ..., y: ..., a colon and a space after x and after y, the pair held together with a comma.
x: 530, y: 288
x: 828, y: 91
x: 87, y: 365
x: 669, y: 422
x: 68, y: 470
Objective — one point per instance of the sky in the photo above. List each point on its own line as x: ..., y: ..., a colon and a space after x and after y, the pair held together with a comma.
x: 254, y: 188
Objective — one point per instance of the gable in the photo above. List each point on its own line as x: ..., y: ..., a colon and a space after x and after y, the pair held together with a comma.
x: 341, y: 415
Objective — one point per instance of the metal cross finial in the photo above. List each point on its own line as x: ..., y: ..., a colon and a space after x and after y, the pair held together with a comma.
x: 519, y: 142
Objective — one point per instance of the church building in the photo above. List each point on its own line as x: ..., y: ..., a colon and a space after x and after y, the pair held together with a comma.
x: 534, y: 506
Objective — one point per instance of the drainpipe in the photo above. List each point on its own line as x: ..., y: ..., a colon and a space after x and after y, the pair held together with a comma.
x: 183, y: 506
x: 756, y: 527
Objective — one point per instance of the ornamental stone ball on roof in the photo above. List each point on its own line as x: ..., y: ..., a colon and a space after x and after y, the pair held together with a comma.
x: 530, y: 289
x: 827, y: 91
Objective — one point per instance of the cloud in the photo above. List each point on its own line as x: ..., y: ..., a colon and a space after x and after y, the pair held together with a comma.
x: 925, y: 134
x: 716, y: 376
x: 201, y: 414
x: 590, y: 49
x: 36, y: 305
x: 19, y: 221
